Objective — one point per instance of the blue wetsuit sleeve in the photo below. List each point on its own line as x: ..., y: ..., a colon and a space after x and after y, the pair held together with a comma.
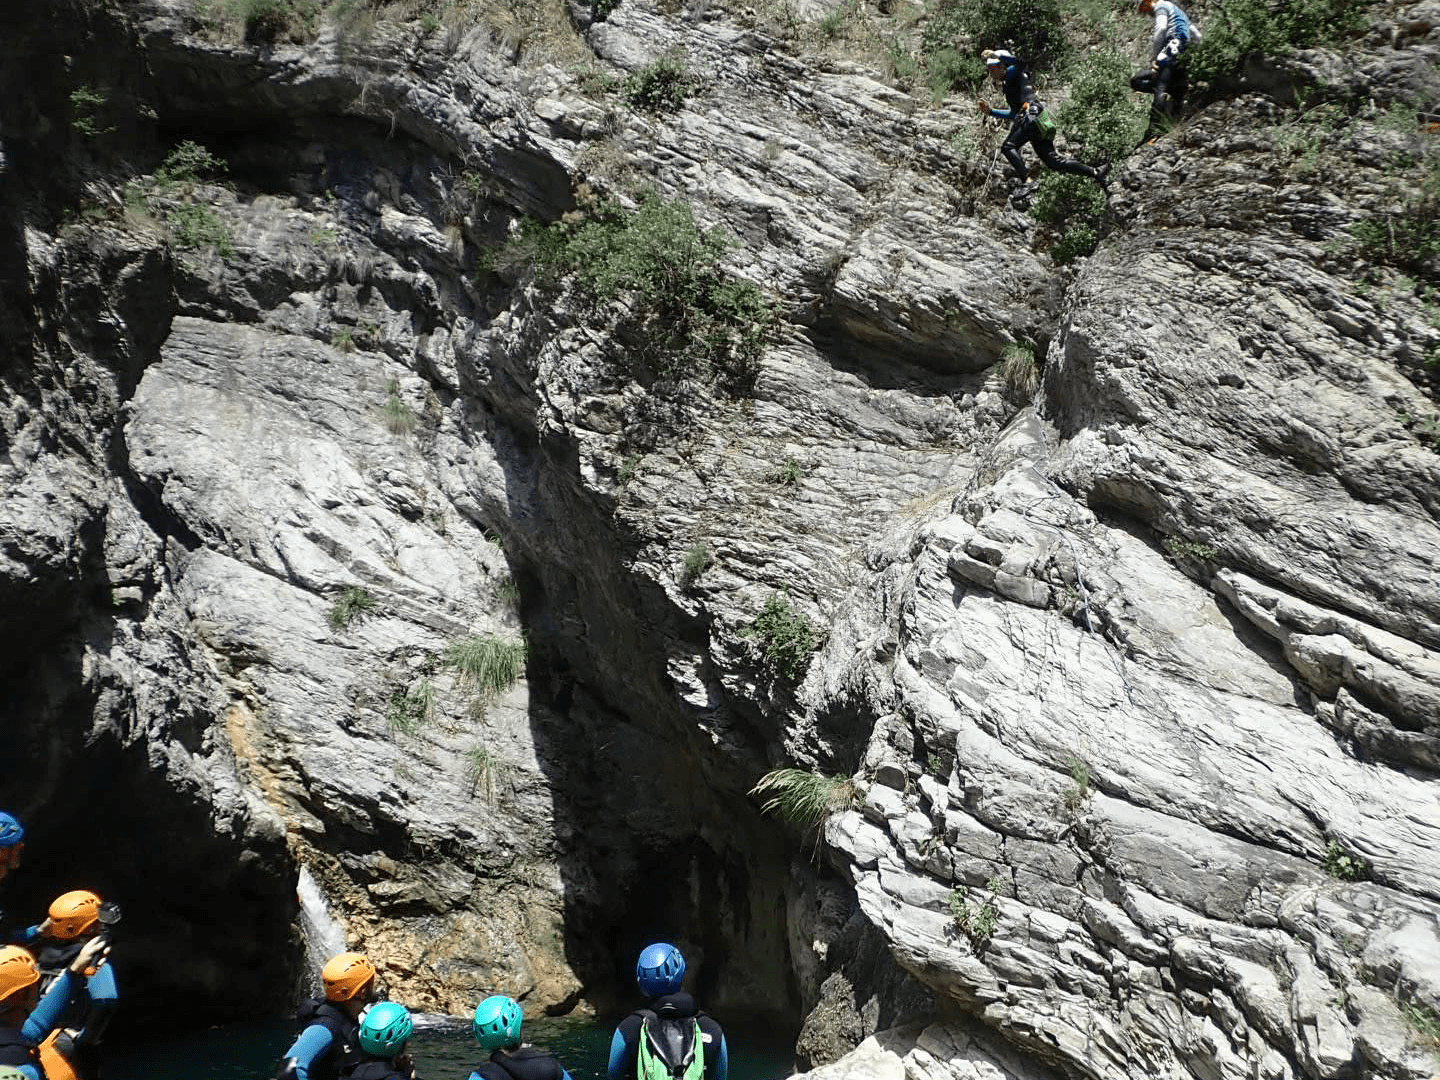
x: 47, y: 1014
x: 615, y: 1070
x: 24, y: 937
x: 102, y: 985
x: 312, y: 1042
x: 722, y: 1063
x: 565, y: 1074
x: 30, y: 1072
x: 1002, y: 114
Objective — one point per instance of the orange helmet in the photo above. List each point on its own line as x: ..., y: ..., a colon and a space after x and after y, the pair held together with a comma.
x: 346, y: 975
x: 17, y: 970
x: 72, y: 914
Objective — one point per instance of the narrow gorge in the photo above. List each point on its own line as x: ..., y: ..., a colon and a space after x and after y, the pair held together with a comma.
x: 1129, y: 679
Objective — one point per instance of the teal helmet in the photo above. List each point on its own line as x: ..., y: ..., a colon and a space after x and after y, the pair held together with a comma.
x: 385, y: 1028
x: 497, y: 1022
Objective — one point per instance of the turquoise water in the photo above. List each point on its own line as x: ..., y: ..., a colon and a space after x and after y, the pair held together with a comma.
x: 443, y: 1047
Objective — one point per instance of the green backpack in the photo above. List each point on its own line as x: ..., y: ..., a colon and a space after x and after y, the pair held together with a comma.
x: 1045, y: 125
x: 670, y: 1048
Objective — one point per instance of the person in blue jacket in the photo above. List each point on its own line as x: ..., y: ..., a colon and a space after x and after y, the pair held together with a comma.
x: 384, y: 1034
x: 497, y: 1024
x: 1028, y: 120
x: 74, y: 919
x: 1171, y: 34
x: 26, y: 1019
x: 328, y: 1045
x: 672, y: 1026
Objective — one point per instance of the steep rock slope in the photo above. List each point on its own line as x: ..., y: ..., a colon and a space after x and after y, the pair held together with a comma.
x: 1099, y: 783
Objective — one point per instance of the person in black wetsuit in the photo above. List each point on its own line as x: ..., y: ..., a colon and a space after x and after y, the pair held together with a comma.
x: 1028, y: 122
x: 659, y: 973
x: 383, y: 1034
x: 497, y: 1024
x: 328, y: 1042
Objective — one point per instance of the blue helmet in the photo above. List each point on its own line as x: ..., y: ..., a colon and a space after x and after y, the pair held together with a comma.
x: 11, y: 831
x: 385, y: 1028
x: 660, y: 969
x: 497, y: 1022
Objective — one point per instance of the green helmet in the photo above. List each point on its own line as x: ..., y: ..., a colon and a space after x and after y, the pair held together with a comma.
x: 497, y: 1022
x: 385, y: 1028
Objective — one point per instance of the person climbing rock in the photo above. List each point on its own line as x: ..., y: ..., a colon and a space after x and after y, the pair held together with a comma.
x: 384, y: 1031
x: 28, y: 1033
x: 1166, y: 79
x: 73, y: 920
x: 328, y: 1043
x: 497, y: 1025
x: 671, y: 1037
x: 1029, y: 121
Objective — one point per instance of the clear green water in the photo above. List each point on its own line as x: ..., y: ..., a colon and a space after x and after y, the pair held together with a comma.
x: 443, y: 1046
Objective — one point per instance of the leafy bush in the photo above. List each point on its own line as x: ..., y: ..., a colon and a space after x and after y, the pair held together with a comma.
x: 354, y: 602
x: 86, y: 105
x: 267, y: 21
x: 784, y: 639
x: 1102, y: 114
x: 687, y: 316
x: 697, y: 560
x: 188, y: 163
x: 1237, y: 29
x: 1409, y: 236
x: 410, y: 708
x: 1031, y: 28
x: 1073, y: 206
x: 488, y: 663
x: 802, y: 797
x: 660, y: 87
x: 977, y: 921
x: 950, y: 69
x: 1339, y: 863
x: 193, y: 226
x: 1180, y: 548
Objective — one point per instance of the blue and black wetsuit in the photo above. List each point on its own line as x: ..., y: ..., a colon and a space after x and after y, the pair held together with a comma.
x: 327, y: 1048
x: 17, y: 1045
x: 1024, y: 109
x: 525, y: 1063
x: 625, y: 1043
x: 1171, y: 35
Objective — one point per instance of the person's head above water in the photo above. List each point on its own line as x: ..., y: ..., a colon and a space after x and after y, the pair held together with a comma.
x: 12, y: 842
x: 73, y: 915
x: 386, y: 1029
x: 660, y: 969
x: 348, y: 977
x: 497, y: 1023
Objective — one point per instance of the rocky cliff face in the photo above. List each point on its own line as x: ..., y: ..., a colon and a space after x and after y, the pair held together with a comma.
x: 1125, y: 677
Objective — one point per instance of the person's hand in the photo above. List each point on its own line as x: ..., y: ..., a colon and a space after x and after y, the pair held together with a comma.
x: 44, y: 927
x: 95, y: 953
x: 1154, y: 67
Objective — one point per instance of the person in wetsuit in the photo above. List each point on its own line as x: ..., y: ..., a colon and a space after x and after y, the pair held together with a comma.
x: 12, y: 846
x: 27, y: 1020
x: 1170, y: 36
x: 383, y: 1034
x: 329, y: 1043
x: 72, y: 921
x: 1028, y: 122
x: 671, y: 1025
x: 497, y: 1025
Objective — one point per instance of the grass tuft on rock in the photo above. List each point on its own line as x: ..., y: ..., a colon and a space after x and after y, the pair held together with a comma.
x: 354, y: 602
x: 489, y: 664
x: 803, y: 798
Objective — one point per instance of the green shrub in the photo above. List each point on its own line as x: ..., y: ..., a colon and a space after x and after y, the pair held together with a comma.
x: 1178, y: 547
x: 410, y: 708
x: 193, y: 226
x: 977, y: 921
x: 489, y: 664
x: 1235, y: 30
x: 788, y: 474
x: 1073, y: 207
x: 687, y: 316
x: 1079, y: 789
x: 1031, y: 28
x: 400, y: 418
x: 659, y: 87
x: 697, y: 560
x: 803, y: 798
x: 903, y: 64
x: 783, y: 638
x: 188, y: 163
x: 267, y: 21
x: 1339, y: 863
x: 343, y: 338
x: 86, y: 106
x: 1407, y: 237
x: 949, y: 69
x: 1102, y: 114
x: 354, y: 602
x: 1423, y: 1022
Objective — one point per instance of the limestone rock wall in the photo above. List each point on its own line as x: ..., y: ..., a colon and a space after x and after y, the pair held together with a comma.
x: 1115, y: 673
